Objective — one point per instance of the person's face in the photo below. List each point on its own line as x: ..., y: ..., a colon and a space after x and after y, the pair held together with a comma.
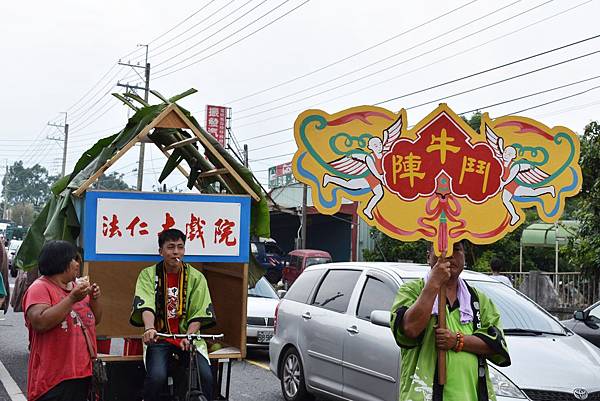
x: 457, y: 260
x: 171, y: 251
x: 73, y: 269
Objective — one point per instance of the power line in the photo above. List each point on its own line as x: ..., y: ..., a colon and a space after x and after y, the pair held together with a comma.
x: 180, y: 23
x: 404, y: 61
x: 234, y: 43
x: 495, y: 104
x: 352, y: 55
x: 419, y: 68
x: 495, y: 82
x: 213, y: 34
x: 153, y: 54
x: 383, y: 59
x: 471, y: 76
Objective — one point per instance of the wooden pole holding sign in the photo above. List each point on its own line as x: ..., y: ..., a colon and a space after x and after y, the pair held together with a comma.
x: 442, y: 325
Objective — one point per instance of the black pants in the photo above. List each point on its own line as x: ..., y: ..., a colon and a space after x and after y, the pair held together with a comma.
x: 157, y: 362
x: 69, y: 390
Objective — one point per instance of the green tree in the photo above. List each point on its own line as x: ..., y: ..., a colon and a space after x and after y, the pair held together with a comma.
x: 113, y: 181
x: 584, y: 251
x: 22, y: 214
x: 27, y: 185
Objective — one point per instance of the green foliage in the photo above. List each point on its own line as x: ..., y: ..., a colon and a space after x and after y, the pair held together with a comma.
x: 113, y: 181
x: 391, y: 250
x: 584, y: 252
x: 22, y: 214
x: 27, y: 185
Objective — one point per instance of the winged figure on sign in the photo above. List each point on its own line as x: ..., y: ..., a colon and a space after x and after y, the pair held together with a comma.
x: 527, y: 173
x: 355, y: 164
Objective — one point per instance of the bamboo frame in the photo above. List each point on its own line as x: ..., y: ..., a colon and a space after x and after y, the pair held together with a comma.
x: 83, y: 187
x: 221, y: 159
x: 172, y: 117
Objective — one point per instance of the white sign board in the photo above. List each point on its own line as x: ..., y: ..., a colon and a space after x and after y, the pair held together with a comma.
x: 125, y: 225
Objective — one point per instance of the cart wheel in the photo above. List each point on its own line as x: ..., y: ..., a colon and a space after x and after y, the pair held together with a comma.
x: 293, y: 386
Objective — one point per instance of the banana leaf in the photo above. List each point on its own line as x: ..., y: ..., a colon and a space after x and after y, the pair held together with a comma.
x: 58, y: 219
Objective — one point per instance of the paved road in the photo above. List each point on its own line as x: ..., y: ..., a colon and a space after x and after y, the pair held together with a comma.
x: 250, y: 379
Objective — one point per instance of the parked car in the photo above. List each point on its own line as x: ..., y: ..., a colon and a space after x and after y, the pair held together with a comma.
x: 262, y: 302
x: 299, y: 260
x: 270, y: 256
x: 586, y: 323
x: 332, y: 337
x: 13, y: 248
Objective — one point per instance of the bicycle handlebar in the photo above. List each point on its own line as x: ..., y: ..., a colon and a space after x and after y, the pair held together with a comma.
x: 191, y: 336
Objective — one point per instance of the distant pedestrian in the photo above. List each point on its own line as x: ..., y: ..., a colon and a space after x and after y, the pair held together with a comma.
x: 5, y: 290
x: 2, y: 291
x: 496, y: 266
x: 60, y: 314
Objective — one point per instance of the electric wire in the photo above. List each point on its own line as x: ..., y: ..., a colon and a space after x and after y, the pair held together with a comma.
x: 232, y: 44
x: 404, y: 61
x: 352, y: 55
x: 387, y: 80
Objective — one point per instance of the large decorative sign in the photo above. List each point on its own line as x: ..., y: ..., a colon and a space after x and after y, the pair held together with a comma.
x: 124, y: 226
x: 216, y: 122
x: 440, y: 180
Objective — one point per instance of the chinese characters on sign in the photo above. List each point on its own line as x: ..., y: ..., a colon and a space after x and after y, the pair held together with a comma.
x: 439, y: 180
x: 125, y: 226
x: 281, y: 175
x: 216, y: 122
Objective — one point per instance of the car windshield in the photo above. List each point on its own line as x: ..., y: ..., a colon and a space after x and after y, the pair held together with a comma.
x: 262, y: 289
x: 518, y: 314
x: 316, y: 261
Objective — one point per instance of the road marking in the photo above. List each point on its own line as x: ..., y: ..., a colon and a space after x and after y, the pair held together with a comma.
x: 259, y: 364
x: 13, y: 390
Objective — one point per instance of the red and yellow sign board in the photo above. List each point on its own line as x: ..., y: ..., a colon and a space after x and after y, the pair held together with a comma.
x: 439, y: 180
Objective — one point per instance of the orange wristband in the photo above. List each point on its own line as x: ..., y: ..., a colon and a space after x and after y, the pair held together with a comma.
x: 460, y: 342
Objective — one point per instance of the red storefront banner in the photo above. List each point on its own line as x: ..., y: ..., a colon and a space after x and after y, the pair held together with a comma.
x: 216, y: 122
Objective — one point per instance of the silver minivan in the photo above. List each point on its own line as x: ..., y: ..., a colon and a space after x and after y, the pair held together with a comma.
x: 332, y: 338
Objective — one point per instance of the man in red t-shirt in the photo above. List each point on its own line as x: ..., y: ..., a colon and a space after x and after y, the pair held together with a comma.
x: 57, y: 311
x: 172, y: 297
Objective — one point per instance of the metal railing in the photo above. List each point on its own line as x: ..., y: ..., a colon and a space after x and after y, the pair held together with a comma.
x: 569, y: 290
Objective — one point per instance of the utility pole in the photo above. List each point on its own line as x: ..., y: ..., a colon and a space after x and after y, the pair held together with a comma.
x: 5, y: 208
x: 246, y: 155
x: 303, y: 219
x: 146, y: 89
x: 65, y: 139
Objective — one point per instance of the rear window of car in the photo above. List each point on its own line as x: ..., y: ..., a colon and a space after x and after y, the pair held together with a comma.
x: 316, y: 261
x: 303, y: 286
x: 376, y: 295
x: 335, y: 290
x: 295, y: 261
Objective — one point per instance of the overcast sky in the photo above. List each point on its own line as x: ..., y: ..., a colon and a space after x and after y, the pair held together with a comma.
x: 327, y: 54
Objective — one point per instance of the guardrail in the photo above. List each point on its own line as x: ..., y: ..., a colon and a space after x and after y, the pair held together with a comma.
x: 568, y: 291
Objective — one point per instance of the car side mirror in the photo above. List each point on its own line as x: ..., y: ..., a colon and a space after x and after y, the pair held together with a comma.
x: 281, y: 293
x: 580, y: 315
x: 381, y: 318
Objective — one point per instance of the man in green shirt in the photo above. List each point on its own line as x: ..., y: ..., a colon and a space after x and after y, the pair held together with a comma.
x: 473, y: 334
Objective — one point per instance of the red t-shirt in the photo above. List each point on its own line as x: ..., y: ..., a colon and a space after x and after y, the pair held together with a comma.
x: 173, y: 298
x: 60, y: 353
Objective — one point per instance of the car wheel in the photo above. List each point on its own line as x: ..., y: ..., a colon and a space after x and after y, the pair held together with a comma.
x: 293, y: 386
